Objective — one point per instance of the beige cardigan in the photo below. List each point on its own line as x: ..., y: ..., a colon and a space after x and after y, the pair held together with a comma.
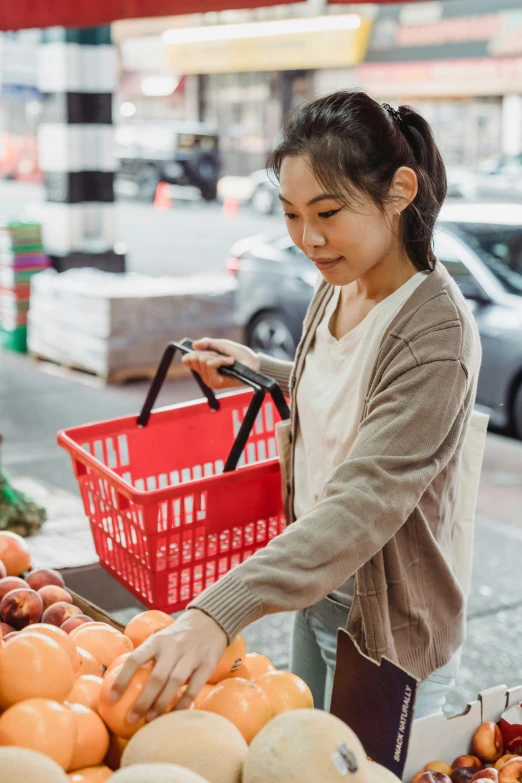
x: 386, y: 513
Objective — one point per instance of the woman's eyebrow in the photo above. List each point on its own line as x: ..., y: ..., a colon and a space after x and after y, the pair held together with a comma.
x: 322, y: 197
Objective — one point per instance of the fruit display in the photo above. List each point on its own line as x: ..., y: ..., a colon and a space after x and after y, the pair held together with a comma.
x: 488, y: 762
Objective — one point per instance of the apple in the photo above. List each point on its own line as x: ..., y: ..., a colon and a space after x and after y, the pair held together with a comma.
x: 486, y: 774
x: 504, y: 760
x: 10, y: 583
x: 467, y: 761
x: 439, y: 766
x: 43, y: 577
x: 51, y: 594
x: 488, y: 743
x: 430, y: 776
x: 73, y: 622
x: 58, y: 613
x: 511, y: 772
x: 21, y: 607
x: 14, y: 553
x: 463, y: 774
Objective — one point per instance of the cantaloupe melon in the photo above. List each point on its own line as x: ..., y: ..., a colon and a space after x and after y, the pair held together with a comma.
x: 156, y: 773
x: 305, y: 746
x: 18, y: 765
x: 380, y: 774
x: 202, y: 741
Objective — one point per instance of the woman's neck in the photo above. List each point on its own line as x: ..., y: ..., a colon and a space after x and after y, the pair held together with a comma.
x: 381, y: 281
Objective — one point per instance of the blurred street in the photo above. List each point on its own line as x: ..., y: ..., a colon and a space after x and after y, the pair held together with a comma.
x: 189, y: 239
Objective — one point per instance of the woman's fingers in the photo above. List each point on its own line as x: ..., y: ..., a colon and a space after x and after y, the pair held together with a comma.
x: 206, y: 364
x: 168, y: 676
x: 144, y: 653
x: 194, y: 686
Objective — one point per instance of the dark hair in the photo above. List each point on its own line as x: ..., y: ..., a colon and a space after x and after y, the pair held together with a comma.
x: 356, y: 145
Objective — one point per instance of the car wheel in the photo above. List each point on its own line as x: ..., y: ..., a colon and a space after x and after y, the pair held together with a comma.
x: 517, y: 413
x: 148, y: 179
x: 263, y: 200
x: 270, y: 333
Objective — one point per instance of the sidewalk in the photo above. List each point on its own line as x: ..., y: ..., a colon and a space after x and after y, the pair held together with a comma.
x: 34, y: 406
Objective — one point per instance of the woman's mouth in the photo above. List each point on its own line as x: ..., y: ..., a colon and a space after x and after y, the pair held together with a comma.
x: 325, y: 264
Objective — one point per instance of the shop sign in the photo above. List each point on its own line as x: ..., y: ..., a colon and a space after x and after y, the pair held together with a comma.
x: 328, y: 48
x: 443, y: 78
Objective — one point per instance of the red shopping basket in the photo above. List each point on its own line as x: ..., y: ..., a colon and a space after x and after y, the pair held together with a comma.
x: 169, y: 512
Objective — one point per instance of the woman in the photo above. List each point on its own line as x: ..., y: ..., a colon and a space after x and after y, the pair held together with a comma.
x: 383, y: 386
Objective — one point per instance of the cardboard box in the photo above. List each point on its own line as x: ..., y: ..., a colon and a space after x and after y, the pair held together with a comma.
x: 439, y: 738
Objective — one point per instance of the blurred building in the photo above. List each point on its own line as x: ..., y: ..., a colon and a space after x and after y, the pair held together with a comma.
x: 460, y: 63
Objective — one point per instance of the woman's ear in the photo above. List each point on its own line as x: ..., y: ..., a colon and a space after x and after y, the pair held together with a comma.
x: 403, y: 189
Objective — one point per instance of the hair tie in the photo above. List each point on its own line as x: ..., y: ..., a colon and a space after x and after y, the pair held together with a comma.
x: 394, y: 114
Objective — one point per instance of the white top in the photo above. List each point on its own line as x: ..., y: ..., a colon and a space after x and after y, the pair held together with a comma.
x: 330, y: 399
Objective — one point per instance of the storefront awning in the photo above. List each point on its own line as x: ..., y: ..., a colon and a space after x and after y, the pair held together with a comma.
x: 20, y: 14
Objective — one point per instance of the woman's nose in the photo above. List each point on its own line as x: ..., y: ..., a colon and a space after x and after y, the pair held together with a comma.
x: 312, y: 237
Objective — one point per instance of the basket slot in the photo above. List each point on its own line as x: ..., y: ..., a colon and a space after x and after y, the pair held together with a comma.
x: 123, y: 450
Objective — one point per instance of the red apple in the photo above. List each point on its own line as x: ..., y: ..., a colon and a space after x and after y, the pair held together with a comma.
x: 73, y: 622
x: 5, y: 629
x: 3, y: 570
x: 488, y: 743
x: 51, y: 594
x: 463, y: 774
x: 21, y: 607
x: 44, y: 576
x: 11, y: 583
x: 486, y: 774
x: 467, y: 761
x: 511, y: 772
x: 14, y: 553
x: 430, y: 776
x: 58, y: 613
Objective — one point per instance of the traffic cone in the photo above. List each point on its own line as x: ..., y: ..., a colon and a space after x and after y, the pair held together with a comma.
x: 162, y: 199
x: 230, y: 207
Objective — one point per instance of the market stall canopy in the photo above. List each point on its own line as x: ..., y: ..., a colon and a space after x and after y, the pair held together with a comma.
x: 20, y: 14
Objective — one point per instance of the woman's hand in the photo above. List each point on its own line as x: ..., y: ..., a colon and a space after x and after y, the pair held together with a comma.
x: 186, y: 652
x: 209, y: 355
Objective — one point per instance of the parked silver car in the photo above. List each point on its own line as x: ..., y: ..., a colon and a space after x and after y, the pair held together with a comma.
x: 481, y: 246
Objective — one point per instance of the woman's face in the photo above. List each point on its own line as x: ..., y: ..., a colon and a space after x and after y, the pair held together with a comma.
x: 344, y: 244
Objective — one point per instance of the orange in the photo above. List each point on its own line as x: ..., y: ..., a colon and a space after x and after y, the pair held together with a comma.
x: 244, y: 704
x: 92, y: 738
x: 116, y: 748
x: 42, y: 725
x: 115, y: 713
x: 231, y: 659
x: 88, y: 663
x: 243, y: 673
x: 145, y: 624
x: 198, y: 701
x: 99, y: 774
x: 258, y: 664
x: 116, y: 662
x: 102, y: 641
x: 285, y: 691
x: 59, y: 636
x: 86, y: 690
x: 33, y: 665
x: 14, y: 553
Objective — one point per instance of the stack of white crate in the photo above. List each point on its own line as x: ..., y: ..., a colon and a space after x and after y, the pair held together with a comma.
x: 106, y: 323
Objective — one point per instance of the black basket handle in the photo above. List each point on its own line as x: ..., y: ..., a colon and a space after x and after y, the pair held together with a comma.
x: 261, y: 384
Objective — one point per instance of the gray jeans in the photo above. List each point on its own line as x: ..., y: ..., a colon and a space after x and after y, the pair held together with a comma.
x: 314, y: 648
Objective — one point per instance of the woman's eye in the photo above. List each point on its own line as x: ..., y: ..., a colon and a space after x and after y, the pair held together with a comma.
x: 290, y: 216
x: 329, y: 214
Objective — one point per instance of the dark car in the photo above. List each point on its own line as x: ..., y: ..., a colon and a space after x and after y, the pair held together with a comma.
x: 181, y: 153
x: 481, y: 246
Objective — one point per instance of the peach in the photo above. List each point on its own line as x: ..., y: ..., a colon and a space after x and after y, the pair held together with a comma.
x: 58, y: 613
x: 14, y: 553
x: 504, y: 760
x: 439, y: 766
x: 51, y: 594
x: 488, y: 743
x: 11, y: 583
x: 73, y: 622
x: 3, y: 570
x: 5, y: 629
x: 430, y: 776
x: 463, y: 774
x: 511, y: 772
x: 467, y: 761
x: 43, y: 577
x: 486, y: 774
x: 21, y: 607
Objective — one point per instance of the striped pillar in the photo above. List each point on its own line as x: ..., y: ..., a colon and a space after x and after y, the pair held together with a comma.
x: 77, y: 77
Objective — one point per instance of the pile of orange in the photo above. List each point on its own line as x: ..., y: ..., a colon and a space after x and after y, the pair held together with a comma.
x: 54, y: 692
